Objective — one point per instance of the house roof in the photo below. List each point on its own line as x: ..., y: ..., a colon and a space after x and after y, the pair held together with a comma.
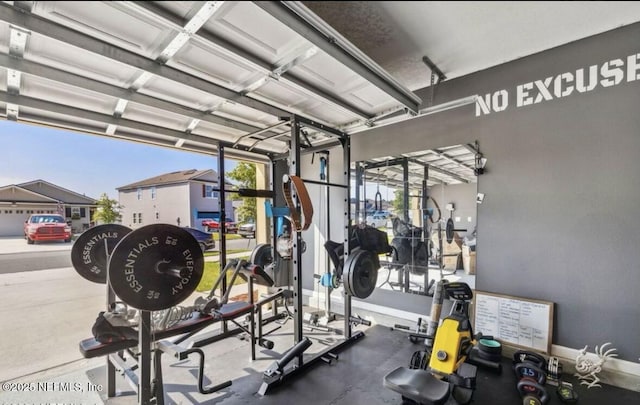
x: 40, y: 191
x: 174, y: 178
x: 56, y: 192
x: 16, y: 194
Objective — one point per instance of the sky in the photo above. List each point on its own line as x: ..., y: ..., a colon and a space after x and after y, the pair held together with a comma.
x: 91, y: 164
x: 87, y: 164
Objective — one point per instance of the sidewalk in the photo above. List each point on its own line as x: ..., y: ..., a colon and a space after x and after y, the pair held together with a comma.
x: 56, y: 304
x: 17, y: 244
x: 216, y: 258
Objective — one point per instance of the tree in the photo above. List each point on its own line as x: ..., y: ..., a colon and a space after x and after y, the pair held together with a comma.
x: 245, y: 174
x: 108, y: 211
x: 398, y: 202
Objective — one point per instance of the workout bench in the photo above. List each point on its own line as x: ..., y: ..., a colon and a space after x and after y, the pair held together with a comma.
x: 185, y: 329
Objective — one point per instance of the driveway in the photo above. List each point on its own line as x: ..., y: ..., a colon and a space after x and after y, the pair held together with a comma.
x: 17, y: 244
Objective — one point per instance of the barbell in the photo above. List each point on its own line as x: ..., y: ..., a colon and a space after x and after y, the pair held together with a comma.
x: 152, y: 268
x: 158, y: 266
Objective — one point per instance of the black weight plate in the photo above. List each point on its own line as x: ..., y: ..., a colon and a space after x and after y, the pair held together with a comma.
x: 450, y: 228
x: 349, y: 266
x: 354, y: 267
x: 262, y: 255
x: 346, y: 274
x: 156, y: 267
x: 89, y: 254
x: 362, y: 273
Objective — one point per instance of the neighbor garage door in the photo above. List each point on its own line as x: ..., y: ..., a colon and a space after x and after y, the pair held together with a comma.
x: 11, y: 221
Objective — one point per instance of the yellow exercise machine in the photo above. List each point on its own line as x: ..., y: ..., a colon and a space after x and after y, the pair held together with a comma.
x: 454, y: 338
x: 441, y: 374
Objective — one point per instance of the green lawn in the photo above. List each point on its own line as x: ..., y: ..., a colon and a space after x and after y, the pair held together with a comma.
x: 211, y: 274
x: 229, y: 236
x: 229, y: 251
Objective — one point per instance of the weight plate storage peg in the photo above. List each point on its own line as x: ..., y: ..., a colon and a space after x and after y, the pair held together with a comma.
x: 156, y: 267
x: 90, y: 252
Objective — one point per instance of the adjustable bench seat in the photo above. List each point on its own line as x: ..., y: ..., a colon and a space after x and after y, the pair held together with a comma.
x: 418, y: 385
x: 92, y: 348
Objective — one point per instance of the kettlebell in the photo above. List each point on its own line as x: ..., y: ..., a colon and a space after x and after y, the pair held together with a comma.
x: 532, y: 393
x: 531, y: 372
x: 522, y: 356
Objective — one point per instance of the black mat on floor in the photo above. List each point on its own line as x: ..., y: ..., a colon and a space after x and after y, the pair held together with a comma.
x: 357, y: 378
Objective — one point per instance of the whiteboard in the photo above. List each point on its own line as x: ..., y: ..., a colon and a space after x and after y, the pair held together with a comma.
x: 516, y: 321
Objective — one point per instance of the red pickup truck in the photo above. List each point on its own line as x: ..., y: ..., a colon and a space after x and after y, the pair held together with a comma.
x: 212, y: 225
x: 41, y: 227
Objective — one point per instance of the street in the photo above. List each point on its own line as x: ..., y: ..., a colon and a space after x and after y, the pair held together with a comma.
x: 53, y: 259
x: 46, y: 308
x: 31, y: 261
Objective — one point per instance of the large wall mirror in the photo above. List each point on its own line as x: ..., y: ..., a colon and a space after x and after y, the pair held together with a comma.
x: 426, y: 202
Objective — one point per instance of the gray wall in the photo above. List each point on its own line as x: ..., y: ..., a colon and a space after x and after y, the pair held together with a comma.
x: 559, y: 221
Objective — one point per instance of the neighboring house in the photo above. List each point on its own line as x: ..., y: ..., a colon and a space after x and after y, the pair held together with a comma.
x: 18, y: 201
x: 181, y: 198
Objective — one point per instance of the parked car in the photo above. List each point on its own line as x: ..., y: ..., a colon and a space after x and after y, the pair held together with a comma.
x: 376, y: 220
x: 212, y: 225
x: 44, y: 227
x: 205, y: 240
x: 247, y: 230
x: 384, y: 214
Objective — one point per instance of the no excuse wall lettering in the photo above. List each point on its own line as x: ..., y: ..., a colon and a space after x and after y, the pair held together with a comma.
x: 583, y: 80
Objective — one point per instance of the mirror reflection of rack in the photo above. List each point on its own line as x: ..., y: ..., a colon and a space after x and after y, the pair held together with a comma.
x: 415, y: 197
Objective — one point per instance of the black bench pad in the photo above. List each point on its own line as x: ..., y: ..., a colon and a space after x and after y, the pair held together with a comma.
x: 418, y: 385
x: 92, y: 348
x: 233, y: 309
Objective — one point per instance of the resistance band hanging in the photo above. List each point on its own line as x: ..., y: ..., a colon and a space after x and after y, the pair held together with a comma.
x: 378, y: 198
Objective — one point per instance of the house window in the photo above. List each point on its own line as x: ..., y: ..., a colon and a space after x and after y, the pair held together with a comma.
x: 208, y: 191
x: 157, y: 215
x: 83, y: 212
x: 139, y: 194
x: 153, y: 193
x: 139, y: 217
x: 135, y: 216
x: 67, y: 212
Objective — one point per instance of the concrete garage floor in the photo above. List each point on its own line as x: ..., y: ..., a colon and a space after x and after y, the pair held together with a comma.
x: 356, y: 378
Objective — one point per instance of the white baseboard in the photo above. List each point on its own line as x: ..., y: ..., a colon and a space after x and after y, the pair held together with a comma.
x: 616, y: 372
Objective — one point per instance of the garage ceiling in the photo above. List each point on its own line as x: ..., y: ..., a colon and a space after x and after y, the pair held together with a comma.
x: 199, y: 75
x: 462, y: 37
